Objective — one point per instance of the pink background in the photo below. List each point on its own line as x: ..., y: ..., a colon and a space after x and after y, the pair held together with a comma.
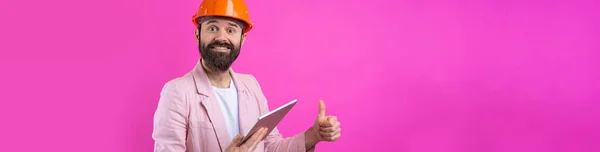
x: 401, y: 75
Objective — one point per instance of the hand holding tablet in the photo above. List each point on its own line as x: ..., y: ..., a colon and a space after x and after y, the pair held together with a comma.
x: 251, y: 143
x: 268, y: 121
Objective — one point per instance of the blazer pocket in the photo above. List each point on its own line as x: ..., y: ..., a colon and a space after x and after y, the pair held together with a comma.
x: 204, y: 124
x: 203, y: 135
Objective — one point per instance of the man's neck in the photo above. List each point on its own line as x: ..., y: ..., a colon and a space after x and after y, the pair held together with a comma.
x: 217, y: 78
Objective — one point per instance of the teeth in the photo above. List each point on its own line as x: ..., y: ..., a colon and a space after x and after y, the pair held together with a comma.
x: 220, y: 48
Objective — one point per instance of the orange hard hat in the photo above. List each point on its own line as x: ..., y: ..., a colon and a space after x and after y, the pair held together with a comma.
x: 235, y: 9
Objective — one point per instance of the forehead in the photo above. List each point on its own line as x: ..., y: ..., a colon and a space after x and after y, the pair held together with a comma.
x: 221, y: 21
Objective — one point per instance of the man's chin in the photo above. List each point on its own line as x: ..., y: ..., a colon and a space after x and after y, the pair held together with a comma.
x: 219, y: 64
x: 220, y: 68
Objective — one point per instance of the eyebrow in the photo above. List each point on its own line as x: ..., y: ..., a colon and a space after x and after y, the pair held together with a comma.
x: 233, y: 24
x: 211, y: 21
x: 230, y: 23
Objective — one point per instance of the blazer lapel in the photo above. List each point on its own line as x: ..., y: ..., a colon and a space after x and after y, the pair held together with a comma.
x: 211, y: 105
x: 243, y: 105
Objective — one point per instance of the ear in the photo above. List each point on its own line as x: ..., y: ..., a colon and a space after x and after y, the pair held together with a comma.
x: 197, y: 33
x: 243, y: 38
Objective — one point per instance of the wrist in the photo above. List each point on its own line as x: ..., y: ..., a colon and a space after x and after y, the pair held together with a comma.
x: 310, y: 138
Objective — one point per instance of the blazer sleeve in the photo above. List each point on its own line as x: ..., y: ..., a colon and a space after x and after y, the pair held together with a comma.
x: 170, y: 117
x: 275, y: 142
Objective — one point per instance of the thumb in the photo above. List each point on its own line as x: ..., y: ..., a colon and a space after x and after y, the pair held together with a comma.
x: 321, y: 109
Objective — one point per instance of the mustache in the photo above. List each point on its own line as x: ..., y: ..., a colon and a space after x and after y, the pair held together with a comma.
x: 220, y: 44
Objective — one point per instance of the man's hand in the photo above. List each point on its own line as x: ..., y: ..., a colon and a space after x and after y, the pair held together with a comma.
x: 249, y: 145
x: 325, y: 128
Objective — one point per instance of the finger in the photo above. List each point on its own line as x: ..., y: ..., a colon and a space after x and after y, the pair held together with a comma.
x: 237, y: 139
x: 261, y: 136
x: 253, y: 137
x: 330, y: 134
x: 251, y: 143
x: 256, y: 138
x: 329, y: 122
x: 326, y: 134
x: 332, y: 119
x: 265, y: 131
x: 322, y: 108
x: 327, y: 129
x: 330, y: 129
x: 334, y: 138
x: 325, y: 125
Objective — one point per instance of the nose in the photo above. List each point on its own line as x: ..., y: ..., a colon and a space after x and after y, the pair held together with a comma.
x: 221, y: 36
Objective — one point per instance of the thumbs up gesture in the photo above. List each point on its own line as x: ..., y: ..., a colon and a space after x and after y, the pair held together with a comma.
x: 326, y: 128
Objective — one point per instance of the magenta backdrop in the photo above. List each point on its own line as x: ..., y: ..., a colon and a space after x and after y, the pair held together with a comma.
x: 401, y: 75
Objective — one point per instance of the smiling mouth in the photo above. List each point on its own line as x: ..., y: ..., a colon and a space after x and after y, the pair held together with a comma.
x: 220, y: 49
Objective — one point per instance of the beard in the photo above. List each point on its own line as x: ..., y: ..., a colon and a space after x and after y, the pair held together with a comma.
x: 219, y: 61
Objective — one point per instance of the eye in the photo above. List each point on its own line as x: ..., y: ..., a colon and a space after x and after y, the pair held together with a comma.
x: 230, y: 30
x: 212, y: 29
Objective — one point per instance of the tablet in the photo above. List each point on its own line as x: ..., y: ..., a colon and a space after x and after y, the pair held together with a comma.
x: 269, y: 120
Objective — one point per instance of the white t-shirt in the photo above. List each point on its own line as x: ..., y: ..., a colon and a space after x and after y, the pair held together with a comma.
x: 228, y: 101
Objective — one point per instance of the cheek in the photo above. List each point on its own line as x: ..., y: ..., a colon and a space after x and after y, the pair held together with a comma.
x: 205, y: 37
x: 236, y: 41
x: 204, y: 40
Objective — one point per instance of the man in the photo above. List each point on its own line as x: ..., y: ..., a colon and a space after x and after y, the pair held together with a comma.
x: 208, y: 108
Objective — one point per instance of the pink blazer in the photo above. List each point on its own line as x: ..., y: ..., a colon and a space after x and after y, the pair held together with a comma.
x: 188, y: 117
